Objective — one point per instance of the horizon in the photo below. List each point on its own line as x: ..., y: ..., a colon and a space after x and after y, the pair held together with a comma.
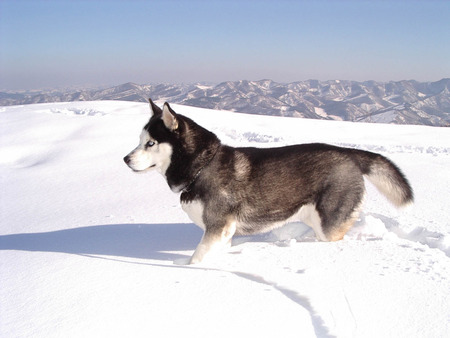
x: 204, y: 83
x: 63, y: 44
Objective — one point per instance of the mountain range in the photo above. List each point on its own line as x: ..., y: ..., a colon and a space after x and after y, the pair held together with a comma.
x: 402, y: 102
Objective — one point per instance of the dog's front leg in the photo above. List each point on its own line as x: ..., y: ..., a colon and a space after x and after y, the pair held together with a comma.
x: 214, y: 240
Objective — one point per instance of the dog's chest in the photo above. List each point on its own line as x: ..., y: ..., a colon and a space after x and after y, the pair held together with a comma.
x: 194, y: 210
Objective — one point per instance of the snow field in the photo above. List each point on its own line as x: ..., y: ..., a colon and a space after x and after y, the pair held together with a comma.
x: 87, y: 247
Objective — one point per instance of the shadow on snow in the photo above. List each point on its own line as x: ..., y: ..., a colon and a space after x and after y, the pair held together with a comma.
x: 147, y: 241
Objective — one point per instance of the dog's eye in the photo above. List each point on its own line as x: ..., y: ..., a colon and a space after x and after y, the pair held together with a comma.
x: 150, y: 144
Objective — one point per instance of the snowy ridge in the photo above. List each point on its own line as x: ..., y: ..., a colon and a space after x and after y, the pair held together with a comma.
x: 402, y: 102
x: 87, y: 248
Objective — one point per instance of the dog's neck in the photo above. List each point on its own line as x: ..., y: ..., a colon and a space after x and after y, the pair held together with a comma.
x: 189, y: 185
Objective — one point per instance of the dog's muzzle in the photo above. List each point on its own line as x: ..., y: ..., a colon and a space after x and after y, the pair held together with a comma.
x: 127, y: 159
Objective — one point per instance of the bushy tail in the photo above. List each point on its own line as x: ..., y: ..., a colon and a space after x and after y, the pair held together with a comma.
x: 386, y: 177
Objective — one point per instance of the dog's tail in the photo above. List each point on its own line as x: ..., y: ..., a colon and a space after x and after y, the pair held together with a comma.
x: 386, y: 177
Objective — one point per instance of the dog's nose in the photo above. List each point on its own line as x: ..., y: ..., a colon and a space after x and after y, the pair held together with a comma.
x: 126, y: 159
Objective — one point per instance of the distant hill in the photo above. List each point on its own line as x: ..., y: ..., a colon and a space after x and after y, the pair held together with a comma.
x: 402, y: 102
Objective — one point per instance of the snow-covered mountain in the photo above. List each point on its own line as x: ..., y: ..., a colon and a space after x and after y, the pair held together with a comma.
x: 403, y: 102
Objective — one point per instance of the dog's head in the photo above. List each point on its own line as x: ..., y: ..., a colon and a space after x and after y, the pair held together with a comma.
x: 172, y: 144
x: 155, y: 149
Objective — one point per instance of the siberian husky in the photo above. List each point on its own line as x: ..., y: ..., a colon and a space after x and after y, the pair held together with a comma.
x: 228, y: 191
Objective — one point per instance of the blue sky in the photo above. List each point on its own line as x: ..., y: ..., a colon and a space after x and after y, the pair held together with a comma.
x: 49, y: 44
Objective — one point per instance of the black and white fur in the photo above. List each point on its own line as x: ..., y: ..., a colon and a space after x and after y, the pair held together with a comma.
x: 228, y: 191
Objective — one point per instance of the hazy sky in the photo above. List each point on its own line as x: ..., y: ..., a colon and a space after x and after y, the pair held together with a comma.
x: 69, y: 43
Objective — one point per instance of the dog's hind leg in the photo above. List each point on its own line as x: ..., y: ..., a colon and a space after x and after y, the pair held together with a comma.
x: 337, y: 231
x: 213, y: 240
x: 309, y: 215
x: 340, y: 202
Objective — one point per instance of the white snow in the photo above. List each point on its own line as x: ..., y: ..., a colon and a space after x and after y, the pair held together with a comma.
x: 385, y: 117
x: 320, y: 112
x: 203, y: 87
x: 87, y: 247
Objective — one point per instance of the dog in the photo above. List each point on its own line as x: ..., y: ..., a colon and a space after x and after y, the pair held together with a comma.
x: 242, y: 191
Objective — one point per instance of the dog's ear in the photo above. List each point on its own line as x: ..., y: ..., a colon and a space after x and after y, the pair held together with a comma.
x: 154, y: 109
x: 169, y: 117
